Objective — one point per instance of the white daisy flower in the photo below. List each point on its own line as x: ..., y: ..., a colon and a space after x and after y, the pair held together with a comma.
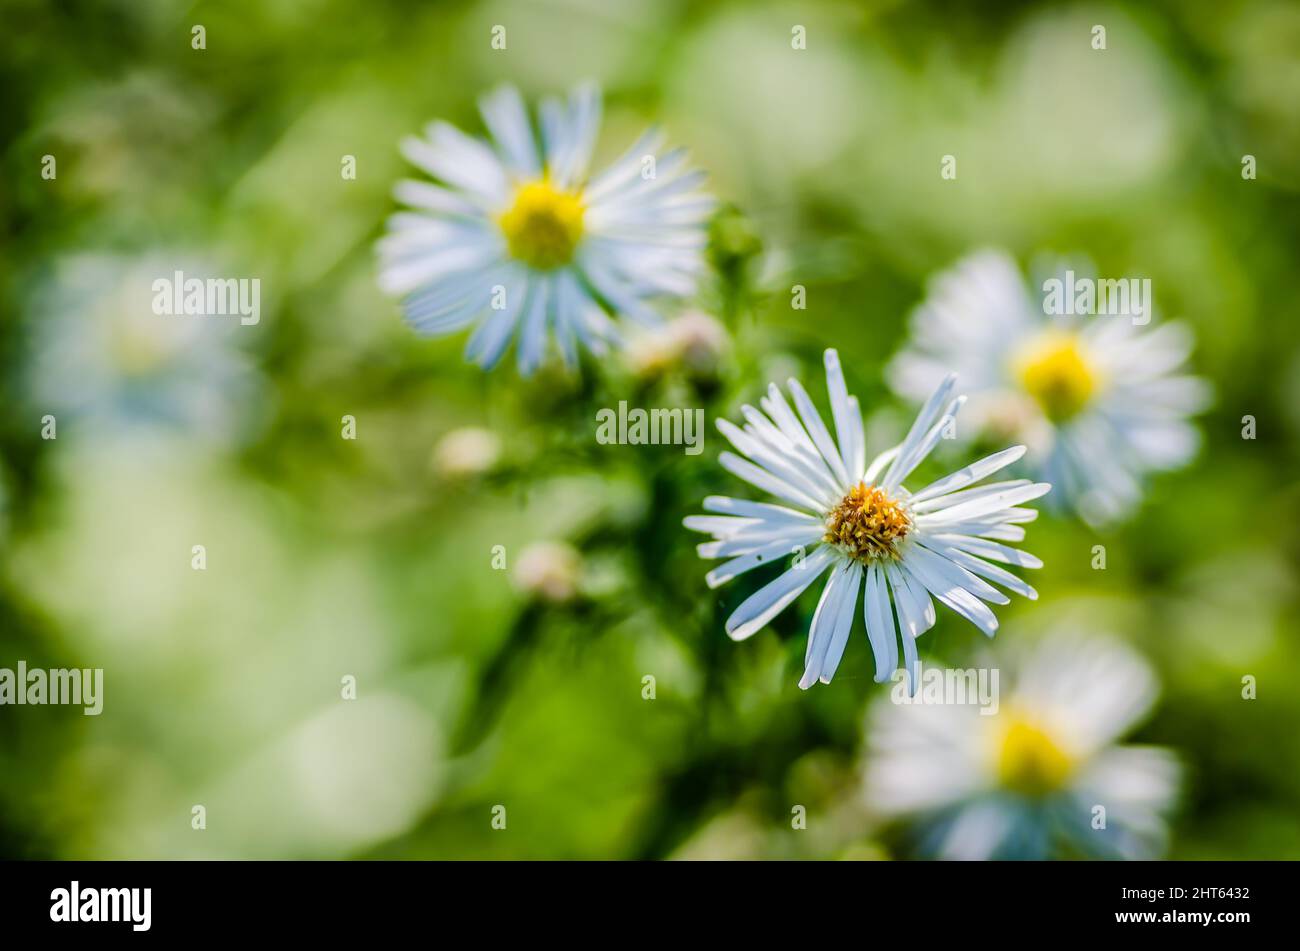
x: 1099, y: 401
x: 860, y: 523
x: 520, y: 240
x: 102, y: 354
x: 1026, y: 782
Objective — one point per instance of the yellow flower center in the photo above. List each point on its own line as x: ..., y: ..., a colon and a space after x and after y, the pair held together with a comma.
x: 543, y: 225
x: 1030, y: 761
x: 1057, y: 372
x: 868, y: 524
x: 138, y: 349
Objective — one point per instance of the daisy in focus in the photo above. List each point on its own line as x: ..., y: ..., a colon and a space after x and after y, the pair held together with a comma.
x: 519, y: 241
x: 1099, y: 401
x: 901, y: 550
x: 1026, y: 782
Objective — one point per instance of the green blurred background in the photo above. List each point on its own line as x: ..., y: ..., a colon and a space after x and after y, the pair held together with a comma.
x: 372, y: 558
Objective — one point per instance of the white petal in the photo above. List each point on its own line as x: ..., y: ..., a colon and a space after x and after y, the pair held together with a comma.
x: 456, y: 301
x: 816, y: 429
x: 807, y: 462
x: 773, y: 551
x: 585, y: 112
x: 507, y: 119
x: 977, y: 832
x: 452, y: 156
x: 774, y: 463
x: 489, y: 341
x: 722, y: 525
x: 776, y: 407
x: 910, y: 621
x: 911, y: 661
x: 858, y: 458
x: 412, y: 271
x: 980, y: 507
x: 767, y: 602
x: 934, y: 503
x: 909, y: 458
x: 992, y: 572
x: 952, y: 572
x: 532, y: 337
x: 920, y: 598
x: 582, y: 314
x: 986, y: 529
x: 792, y: 539
x: 911, y: 618
x: 625, y: 168
x: 990, y: 550
x: 766, y: 481
x: 565, y: 317
x: 921, y: 425
x: 968, y: 474
x: 841, y: 411
x: 826, y: 648
x: 880, y: 624
x: 432, y: 197
x: 953, y: 595
x: 748, y: 509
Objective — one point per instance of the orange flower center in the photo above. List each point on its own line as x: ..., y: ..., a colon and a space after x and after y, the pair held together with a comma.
x: 868, y: 524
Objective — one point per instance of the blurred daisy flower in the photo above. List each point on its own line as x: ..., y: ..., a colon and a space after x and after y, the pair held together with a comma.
x: 859, y: 522
x: 1043, y: 775
x: 692, y: 341
x: 1098, y: 400
x: 102, y: 354
x: 519, y: 240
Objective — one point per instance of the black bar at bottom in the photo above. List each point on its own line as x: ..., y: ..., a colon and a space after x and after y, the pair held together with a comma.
x: 1221, y: 900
